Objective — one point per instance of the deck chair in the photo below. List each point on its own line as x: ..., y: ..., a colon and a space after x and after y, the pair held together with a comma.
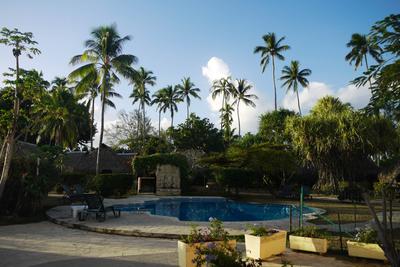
x: 94, y: 203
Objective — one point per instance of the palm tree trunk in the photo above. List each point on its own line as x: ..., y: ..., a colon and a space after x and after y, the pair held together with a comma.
x: 273, y: 78
x: 172, y: 118
x: 298, y: 101
x: 187, y: 110
x: 159, y: 123
x: 144, y: 122
x: 238, y: 115
x: 101, y: 129
x: 92, y: 124
x: 366, y: 65
x: 222, y: 108
x: 11, y: 134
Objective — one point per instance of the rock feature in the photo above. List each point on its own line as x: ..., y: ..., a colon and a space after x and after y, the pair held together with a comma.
x: 168, y: 180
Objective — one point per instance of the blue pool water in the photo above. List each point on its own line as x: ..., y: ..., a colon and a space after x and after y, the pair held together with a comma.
x: 201, y: 209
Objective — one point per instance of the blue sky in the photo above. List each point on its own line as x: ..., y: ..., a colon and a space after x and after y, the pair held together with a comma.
x: 177, y: 38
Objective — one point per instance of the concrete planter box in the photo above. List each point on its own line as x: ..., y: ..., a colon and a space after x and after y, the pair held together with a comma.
x: 263, y: 247
x: 318, y: 245
x: 186, y: 252
x: 365, y: 250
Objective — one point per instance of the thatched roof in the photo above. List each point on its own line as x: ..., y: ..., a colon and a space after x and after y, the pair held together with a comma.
x: 85, y: 162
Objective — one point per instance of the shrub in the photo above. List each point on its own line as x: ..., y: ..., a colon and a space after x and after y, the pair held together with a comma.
x: 367, y: 235
x: 71, y: 179
x: 112, y: 184
x: 233, y: 177
x: 261, y: 230
x: 215, y: 232
x: 310, y: 231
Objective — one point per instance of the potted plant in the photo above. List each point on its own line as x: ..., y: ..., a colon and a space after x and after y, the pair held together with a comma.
x: 199, y: 238
x: 365, y: 245
x: 263, y: 243
x: 213, y: 255
x: 309, y: 238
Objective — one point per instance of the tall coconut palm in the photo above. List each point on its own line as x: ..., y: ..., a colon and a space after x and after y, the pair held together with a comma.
x: 104, y: 59
x: 362, y: 46
x: 240, y: 92
x: 293, y: 76
x: 271, y: 49
x: 172, y: 99
x: 89, y: 92
x: 222, y: 87
x: 60, y: 83
x: 141, y: 94
x: 160, y: 98
x: 186, y: 90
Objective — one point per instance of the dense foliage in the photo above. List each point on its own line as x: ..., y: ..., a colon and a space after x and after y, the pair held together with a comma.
x: 112, y: 184
x: 272, y: 126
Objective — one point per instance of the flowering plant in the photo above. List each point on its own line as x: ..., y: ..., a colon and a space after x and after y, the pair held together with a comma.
x: 215, y: 232
x: 222, y: 255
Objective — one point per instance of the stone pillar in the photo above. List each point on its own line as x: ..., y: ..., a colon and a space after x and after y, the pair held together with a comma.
x: 168, y: 180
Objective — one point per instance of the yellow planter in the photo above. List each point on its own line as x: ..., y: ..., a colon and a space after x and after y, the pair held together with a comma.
x: 318, y: 245
x: 263, y: 247
x: 186, y: 252
x: 365, y: 250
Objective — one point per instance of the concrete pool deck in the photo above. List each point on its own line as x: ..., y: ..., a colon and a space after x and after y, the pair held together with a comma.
x: 146, y: 225
x: 46, y: 244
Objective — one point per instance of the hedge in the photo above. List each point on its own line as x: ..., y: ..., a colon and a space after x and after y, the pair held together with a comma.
x: 112, y: 184
x: 233, y: 177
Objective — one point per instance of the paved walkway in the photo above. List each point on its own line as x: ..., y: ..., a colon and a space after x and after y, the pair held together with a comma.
x: 48, y: 244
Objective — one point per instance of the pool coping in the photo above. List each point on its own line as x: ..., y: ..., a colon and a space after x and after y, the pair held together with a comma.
x: 151, y: 226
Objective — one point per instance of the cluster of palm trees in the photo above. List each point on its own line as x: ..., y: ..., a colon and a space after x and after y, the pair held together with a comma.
x: 239, y: 91
x: 102, y: 64
x: 292, y: 75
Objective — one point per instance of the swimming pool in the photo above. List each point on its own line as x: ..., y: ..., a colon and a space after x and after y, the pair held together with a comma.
x: 201, y: 209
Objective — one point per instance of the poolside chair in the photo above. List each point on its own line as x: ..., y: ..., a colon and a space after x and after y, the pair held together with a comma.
x: 94, y: 203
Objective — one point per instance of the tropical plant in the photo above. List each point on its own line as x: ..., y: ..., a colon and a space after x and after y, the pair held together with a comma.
x: 104, y: 60
x: 186, y: 90
x: 21, y: 42
x: 140, y: 79
x: 240, y: 91
x: 222, y: 87
x: 160, y: 98
x: 293, y: 76
x: 272, y: 48
x: 172, y: 98
x: 226, y: 122
x: 271, y: 128
x: 361, y: 46
x: 197, y: 134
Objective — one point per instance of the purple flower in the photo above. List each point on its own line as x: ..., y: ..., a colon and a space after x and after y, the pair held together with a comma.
x: 211, y: 245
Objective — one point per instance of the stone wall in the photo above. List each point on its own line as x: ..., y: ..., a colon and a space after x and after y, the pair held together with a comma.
x: 168, y: 180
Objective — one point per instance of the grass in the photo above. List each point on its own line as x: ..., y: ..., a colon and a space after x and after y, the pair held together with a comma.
x: 349, y: 213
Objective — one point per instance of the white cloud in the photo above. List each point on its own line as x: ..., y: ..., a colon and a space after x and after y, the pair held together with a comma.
x: 216, y: 69
x: 165, y: 123
x: 249, y: 117
x: 357, y: 97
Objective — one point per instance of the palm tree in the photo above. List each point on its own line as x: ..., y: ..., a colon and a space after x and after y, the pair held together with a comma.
x: 222, y: 87
x: 241, y: 93
x: 105, y: 60
x: 60, y: 83
x: 161, y: 99
x: 186, y: 90
x: 226, y: 119
x: 292, y: 77
x: 361, y: 46
x: 171, y: 101
x: 140, y: 80
x: 90, y: 92
x: 268, y: 52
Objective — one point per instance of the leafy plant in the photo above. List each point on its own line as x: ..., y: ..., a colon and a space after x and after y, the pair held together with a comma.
x: 261, y: 230
x: 222, y: 255
x: 215, y: 232
x: 366, y: 235
x: 310, y: 231
x: 113, y: 184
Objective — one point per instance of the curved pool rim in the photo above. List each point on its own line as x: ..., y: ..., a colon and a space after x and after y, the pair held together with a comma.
x: 308, y: 212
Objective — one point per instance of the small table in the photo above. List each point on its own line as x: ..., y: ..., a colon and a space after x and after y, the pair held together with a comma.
x: 75, y: 209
